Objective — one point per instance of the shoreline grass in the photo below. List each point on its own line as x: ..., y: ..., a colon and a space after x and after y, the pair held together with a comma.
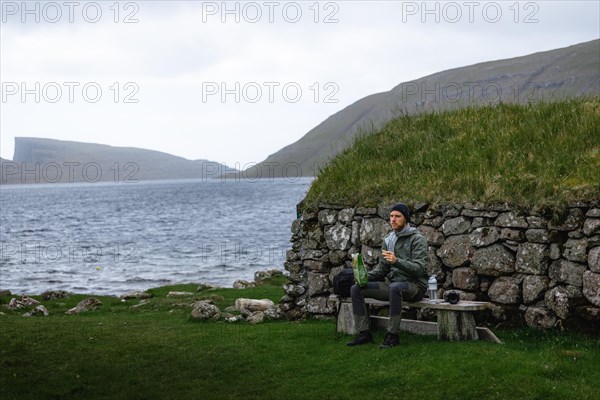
x: 537, y: 154
x: 152, y: 352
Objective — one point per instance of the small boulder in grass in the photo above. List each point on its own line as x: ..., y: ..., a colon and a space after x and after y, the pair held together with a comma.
x: 136, y: 295
x: 39, y: 311
x: 253, y: 305
x: 180, y: 294
x: 23, y: 302
x: 55, y: 294
x: 204, y: 310
x: 89, y: 304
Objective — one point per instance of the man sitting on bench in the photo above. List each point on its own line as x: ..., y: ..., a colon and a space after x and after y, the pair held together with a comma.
x: 401, y: 274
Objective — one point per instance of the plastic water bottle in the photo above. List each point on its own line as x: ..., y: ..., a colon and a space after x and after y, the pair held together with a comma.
x: 432, y: 288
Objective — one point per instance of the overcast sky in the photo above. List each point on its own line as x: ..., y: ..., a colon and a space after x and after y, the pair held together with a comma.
x: 236, y: 81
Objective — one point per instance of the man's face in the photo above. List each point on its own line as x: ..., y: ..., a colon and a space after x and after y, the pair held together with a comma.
x: 397, y: 220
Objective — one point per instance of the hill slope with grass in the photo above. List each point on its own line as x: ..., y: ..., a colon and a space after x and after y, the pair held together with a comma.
x: 564, y: 73
x: 546, y: 153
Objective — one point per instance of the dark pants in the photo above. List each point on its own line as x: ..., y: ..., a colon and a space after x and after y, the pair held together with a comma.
x: 393, y: 292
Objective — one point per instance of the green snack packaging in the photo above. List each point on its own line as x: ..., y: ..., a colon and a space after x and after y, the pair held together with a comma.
x: 360, y: 271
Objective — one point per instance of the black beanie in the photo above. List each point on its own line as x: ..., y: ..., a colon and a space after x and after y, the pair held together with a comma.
x: 402, y: 208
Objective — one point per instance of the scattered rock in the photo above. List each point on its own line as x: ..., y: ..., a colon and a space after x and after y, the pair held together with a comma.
x: 55, y: 294
x: 23, y: 302
x: 89, y: 304
x: 180, y: 294
x: 242, y: 284
x: 256, y: 317
x: 253, y: 305
x: 204, y: 310
x: 262, y: 275
x: 205, y: 286
x: 136, y: 295
x: 39, y: 311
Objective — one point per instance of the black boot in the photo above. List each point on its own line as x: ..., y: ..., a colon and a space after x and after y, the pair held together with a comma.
x: 391, y: 340
x: 363, y: 337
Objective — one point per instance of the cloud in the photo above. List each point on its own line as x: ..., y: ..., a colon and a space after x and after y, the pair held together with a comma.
x: 176, y: 50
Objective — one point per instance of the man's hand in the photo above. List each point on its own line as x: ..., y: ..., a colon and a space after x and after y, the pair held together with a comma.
x: 389, y: 256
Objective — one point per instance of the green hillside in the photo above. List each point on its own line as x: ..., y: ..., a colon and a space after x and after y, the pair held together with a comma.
x: 545, y: 153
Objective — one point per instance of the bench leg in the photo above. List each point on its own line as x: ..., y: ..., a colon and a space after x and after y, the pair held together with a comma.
x: 456, y: 325
x: 345, y: 321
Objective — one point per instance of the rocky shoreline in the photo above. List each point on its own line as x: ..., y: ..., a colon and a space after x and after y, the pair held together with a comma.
x: 250, y: 310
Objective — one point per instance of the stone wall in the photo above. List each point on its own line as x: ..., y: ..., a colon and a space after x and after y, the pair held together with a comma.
x: 538, y: 266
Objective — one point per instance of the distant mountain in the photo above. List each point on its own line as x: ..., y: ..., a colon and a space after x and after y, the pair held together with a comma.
x: 558, y: 74
x: 39, y: 160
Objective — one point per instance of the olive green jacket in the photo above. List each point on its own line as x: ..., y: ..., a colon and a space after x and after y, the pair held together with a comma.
x: 413, y: 257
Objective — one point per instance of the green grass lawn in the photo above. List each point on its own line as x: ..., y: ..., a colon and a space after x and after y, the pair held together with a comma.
x: 157, y: 352
x: 545, y: 153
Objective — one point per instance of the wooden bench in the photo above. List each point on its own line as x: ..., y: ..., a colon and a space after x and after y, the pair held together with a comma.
x: 454, y: 321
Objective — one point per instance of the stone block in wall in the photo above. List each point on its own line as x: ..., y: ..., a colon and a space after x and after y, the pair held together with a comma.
x: 593, y: 259
x: 317, y: 255
x: 434, y: 267
x: 537, y: 235
x: 484, y: 236
x: 293, y: 266
x: 567, y: 272
x: 591, y: 287
x: 314, y: 232
x: 593, y: 213
x: 313, y: 265
x: 512, y: 234
x: 355, y: 233
x: 334, y: 271
x: 433, y: 236
x: 338, y: 237
x: 451, y: 210
x: 370, y: 254
x: 456, y: 251
x: 365, y: 211
x: 536, y: 222
x: 540, y: 317
x: 309, y: 215
x: 436, y: 222
x: 532, y: 258
x: 295, y: 228
x: 569, y: 221
x: 327, y: 217
x: 591, y: 226
x: 346, y: 215
x: 511, y: 220
x: 320, y: 305
x: 494, y: 260
x: 337, y: 257
x: 372, y: 231
x: 505, y: 290
x: 309, y: 244
x: 578, y: 234
x: 456, y: 226
x: 589, y: 313
x: 534, y: 287
x: 576, y: 250
x: 558, y: 301
x: 465, y: 278
x: 294, y: 290
x: 555, y: 251
x: 318, y: 283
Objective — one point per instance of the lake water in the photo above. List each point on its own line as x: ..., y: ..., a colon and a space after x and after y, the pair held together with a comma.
x: 110, y: 238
